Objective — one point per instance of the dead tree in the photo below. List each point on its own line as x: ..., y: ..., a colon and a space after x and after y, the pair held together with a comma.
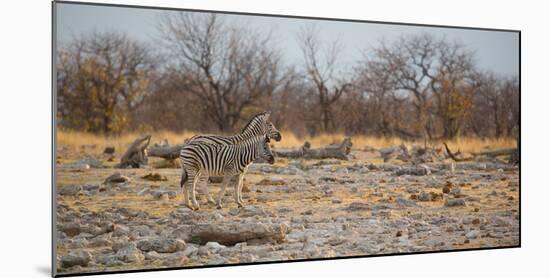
x: 136, y: 154
x: 512, y: 152
x: 321, y: 73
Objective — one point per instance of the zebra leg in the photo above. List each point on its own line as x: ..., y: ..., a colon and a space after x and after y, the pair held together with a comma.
x: 196, y: 205
x: 185, y: 190
x: 241, y: 183
x: 206, y: 191
x: 238, y: 193
x: 225, y: 181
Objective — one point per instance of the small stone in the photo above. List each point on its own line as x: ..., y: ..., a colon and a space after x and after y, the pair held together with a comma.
x: 355, y: 206
x: 406, y: 203
x: 454, y: 202
x: 273, y: 180
x: 476, y: 221
x: 69, y: 190
x: 398, y: 234
x: 161, y: 245
x: 116, y: 178
x: 472, y: 234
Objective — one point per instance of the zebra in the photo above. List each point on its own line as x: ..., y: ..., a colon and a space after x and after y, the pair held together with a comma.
x: 258, y: 125
x: 205, y: 159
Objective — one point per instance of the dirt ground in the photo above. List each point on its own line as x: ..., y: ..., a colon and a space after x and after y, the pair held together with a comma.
x: 322, y: 208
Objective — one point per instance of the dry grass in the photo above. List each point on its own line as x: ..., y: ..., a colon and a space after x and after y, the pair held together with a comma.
x: 290, y: 140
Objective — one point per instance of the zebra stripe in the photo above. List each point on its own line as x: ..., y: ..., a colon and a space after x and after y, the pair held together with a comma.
x: 205, y: 159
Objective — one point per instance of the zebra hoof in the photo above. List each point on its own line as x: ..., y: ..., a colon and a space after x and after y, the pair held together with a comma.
x: 240, y: 205
x: 219, y: 207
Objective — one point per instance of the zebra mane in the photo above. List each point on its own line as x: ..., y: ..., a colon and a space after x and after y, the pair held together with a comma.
x: 265, y: 116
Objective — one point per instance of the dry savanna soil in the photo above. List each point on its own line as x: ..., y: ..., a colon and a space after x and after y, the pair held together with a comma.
x: 294, y: 209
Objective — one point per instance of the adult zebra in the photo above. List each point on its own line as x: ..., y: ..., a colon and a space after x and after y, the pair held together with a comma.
x: 258, y: 125
x: 205, y: 159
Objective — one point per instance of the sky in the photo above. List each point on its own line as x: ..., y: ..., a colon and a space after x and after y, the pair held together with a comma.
x: 497, y: 51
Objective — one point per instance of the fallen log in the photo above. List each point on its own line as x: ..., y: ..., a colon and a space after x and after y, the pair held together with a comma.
x: 169, y: 152
x: 495, y: 153
x: 136, y: 154
x: 453, y: 156
x: 338, y: 151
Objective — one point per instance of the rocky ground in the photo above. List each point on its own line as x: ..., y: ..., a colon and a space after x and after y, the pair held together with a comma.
x: 294, y: 210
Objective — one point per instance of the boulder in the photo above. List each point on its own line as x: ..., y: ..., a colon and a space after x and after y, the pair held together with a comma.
x: 76, y: 257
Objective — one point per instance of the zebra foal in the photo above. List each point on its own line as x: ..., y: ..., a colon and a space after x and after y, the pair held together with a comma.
x: 206, y: 159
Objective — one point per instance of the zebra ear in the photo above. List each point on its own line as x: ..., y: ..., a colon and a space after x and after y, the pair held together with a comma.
x: 267, y: 114
x: 267, y: 139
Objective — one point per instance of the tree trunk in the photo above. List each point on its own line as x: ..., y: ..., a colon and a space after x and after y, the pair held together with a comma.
x: 136, y: 154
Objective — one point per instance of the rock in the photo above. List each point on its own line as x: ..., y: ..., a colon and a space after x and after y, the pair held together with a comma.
x: 90, y: 187
x: 218, y: 216
x: 71, y: 229
x: 337, y: 240
x: 356, y: 206
x: 404, y: 203
x: 455, y: 191
x: 381, y: 213
x: 342, y: 170
x: 100, y: 242
x: 429, y: 197
x: 472, y: 234
x: 129, y: 254
x: 76, y: 257
x: 116, y: 178
x: 121, y: 243
x: 203, y: 251
x: 107, y: 259
x: 69, y: 190
x: 142, y: 230
x: 190, y: 250
x: 161, y: 245
x: 272, y: 180
x: 248, y: 211
x: 216, y: 260
x: 449, y: 202
x: 120, y: 230
x: 164, y: 194
x: 154, y: 177
x: 336, y: 201
x: 230, y: 234
x: 214, y: 246
x: 420, y: 170
x: 86, y: 163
